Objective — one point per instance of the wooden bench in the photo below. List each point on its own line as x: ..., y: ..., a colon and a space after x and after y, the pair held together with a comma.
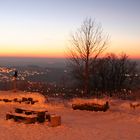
x: 30, y: 111
x: 21, y: 117
x: 91, y: 107
x: 41, y: 114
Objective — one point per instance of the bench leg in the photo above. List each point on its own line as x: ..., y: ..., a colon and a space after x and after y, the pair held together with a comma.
x: 9, y: 116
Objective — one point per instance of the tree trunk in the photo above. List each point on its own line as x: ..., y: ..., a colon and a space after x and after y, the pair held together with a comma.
x: 86, y: 76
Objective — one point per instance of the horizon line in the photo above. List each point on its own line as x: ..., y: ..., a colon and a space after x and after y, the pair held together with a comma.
x: 49, y: 57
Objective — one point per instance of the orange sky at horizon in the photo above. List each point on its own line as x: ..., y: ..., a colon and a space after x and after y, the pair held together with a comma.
x: 35, y: 53
x: 54, y: 44
x: 57, y: 48
x: 62, y: 53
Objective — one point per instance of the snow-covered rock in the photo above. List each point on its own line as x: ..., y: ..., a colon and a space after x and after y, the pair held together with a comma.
x: 11, y: 95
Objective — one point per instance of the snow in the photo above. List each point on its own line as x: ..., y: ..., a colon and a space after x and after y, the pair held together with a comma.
x: 95, y: 101
x: 121, y: 122
x: 19, y: 95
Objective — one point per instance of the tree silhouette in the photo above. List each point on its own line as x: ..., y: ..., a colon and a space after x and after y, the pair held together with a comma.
x: 87, y: 43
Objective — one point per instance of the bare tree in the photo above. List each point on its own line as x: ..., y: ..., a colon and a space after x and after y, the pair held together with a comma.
x: 88, y: 42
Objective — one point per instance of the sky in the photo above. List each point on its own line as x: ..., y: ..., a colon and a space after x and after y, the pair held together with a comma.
x: 42, y: 28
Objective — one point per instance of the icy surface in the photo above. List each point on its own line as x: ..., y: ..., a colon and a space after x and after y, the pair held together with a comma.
x: 121, y: 122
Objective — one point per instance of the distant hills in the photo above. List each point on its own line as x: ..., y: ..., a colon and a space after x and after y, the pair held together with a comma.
x: 42, y: 62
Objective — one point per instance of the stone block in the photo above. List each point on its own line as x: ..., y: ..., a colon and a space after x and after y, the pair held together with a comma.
x: 55, y: 120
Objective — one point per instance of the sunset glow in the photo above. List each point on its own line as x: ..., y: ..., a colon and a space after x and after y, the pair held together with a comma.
x: 42, y: 28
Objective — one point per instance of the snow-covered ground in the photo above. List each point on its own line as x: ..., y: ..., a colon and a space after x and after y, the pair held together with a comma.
x: 120, y: 122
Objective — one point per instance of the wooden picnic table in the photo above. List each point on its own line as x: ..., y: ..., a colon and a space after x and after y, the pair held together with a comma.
x: 32, y: 116
x: 27, y: 115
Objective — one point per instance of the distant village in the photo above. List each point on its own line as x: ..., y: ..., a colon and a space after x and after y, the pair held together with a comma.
x: 45, y: 81
x: 6, y: 74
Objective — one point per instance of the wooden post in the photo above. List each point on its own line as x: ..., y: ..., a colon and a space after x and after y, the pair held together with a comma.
x: 55, y: 120
x: 9, y: 116
x: 41, y: 117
